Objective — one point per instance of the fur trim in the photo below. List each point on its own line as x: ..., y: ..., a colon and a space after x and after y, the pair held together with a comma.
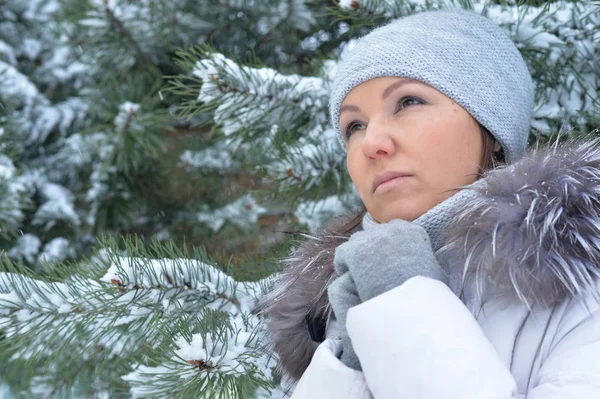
x: 300, y: 297
x: 533, y: 233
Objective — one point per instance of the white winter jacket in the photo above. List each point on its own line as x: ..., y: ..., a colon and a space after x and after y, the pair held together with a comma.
x: 420, y: 341
x: 520, y: 317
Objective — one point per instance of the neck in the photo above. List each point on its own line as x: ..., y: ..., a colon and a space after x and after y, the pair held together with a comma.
x: 436, y: 220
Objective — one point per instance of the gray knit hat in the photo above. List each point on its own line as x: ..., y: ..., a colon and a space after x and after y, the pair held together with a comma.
x: 460, y: 53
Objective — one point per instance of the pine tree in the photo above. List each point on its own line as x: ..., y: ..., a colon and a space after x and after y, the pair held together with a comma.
x: 95, y: 145
x: 190, y: 123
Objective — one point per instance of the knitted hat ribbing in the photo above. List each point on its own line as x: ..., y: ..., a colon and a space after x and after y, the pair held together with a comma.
x: 460, y: 53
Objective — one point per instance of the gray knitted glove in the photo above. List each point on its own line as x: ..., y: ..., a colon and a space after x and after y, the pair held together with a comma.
x: 386, y: 255
x: 342, y: 296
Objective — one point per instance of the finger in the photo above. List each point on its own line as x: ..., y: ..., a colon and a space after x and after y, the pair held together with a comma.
x: 344, y: 285
x: 340, y: 259
x: 343, y: 295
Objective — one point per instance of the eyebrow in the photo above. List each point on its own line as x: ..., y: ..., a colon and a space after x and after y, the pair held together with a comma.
x: 386, y: 93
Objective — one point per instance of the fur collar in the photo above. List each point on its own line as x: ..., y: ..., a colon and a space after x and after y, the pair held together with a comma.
x: 533, y: 232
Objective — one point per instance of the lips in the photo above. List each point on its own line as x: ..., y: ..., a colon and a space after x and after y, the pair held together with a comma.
x: 387, y: 176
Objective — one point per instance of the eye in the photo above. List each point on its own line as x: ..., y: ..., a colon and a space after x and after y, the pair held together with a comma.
x: 408, y: 100
x: 351, y: 128
x: 404, y: 102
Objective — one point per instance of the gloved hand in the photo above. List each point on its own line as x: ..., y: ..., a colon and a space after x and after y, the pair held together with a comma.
x: 342, y: 296
x: 386, y: 255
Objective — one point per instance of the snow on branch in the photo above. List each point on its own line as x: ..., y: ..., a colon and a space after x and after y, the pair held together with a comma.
x: 315, y: 214
x: 10, y: 196
x: 256, y: 98
x: 293, y: 12
x: 173, y: 324
x: 14, y: 86
x: 36, y: 117
x: 286, y: 114
x: 394, y: 8
x: 58, y: 204
x: 314, y: 166
x: 243, y: 212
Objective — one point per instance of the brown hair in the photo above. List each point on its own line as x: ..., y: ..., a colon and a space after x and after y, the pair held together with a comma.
x: 490, y: 160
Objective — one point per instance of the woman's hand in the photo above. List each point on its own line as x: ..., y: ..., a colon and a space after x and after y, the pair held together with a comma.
x: 386, y: 255
x: 374, y: 261
x: 342, y: 296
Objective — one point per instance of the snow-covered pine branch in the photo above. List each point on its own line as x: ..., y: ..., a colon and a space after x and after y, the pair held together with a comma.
x: 10, y: 196
x: 247, y: 100
x: 277, y: 121
x: 174, y: 326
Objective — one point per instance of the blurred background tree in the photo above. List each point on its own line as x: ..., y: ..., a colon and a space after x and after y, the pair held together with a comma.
x: 95, y: 147
x: 201, y: 129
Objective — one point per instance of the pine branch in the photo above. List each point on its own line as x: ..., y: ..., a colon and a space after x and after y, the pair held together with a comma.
x: 68, y: 380
x: 124, y: 32
x: 140, y: 316
x: 276, y: 27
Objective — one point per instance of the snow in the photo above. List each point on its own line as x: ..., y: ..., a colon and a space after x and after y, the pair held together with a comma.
x: 5, y: 391
x: 31, y: 48
x: 230, y: 347
x: 94, y: 22
x: 316, y: 213
x: 58, y: 205
x: 8, y: 52
x: 295, y: 12
x: 232, y: 350
x: 12, y: 188
x: 261, y: 97
x: 37, y: 295
x: 182, y: 274
x: 127, y: 111
x: 306, y: 92
x: 243, y: 212
x: 76, y: 153
x: 38, y: 117
x: 46, y: 119
x: 9, y: 298
x: 26, y: 249
x: 71, y: 110
x: 346, y: 3
x: 224, y: 354
x: 56, y: 250
x: 63, y: 66
x: 217, y: 157
x: 15, y: 84
x: 10, y: 201
x: 301, y: 17
x: 7, y: 168
x: 41, y: 10
x: 393, y: 8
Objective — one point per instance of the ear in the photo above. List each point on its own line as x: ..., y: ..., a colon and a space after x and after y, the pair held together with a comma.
x: 497, y: 146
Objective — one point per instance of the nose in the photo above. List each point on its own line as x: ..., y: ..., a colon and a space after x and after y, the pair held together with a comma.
x: 378, y: 140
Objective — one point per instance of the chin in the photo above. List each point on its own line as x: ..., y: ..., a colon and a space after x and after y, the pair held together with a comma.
x: 407, y: 215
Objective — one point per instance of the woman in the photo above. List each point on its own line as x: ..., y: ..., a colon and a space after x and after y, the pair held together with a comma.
x: 462, y: 279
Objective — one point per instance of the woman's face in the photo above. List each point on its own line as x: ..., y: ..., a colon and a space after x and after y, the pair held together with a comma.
x: 402, y: 127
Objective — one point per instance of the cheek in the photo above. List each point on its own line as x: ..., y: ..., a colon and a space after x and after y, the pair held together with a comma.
x: 354, y: 170
x: 453, y: 143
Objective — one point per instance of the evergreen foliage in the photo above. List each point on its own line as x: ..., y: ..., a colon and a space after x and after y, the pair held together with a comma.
x: 185, y: 132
